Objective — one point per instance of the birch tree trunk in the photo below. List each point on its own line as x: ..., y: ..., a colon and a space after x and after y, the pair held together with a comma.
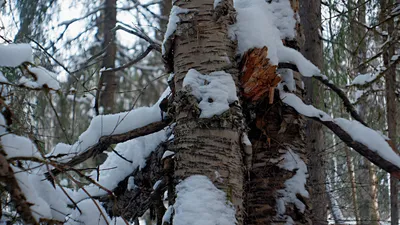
x: 310, y: 14
x: 209, y: 147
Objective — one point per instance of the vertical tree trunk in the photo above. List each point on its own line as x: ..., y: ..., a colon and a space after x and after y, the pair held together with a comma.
x: 367, y: 191
x: 350, y: 169
x: 375, y: 216
x: 310, y: 15
x: 108, y: 81
x: 391, y: 105
x: 276, y: 131
x: 209, y: 147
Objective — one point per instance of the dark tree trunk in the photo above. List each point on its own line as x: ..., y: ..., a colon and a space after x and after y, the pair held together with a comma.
x: 108, y: 80
x: 310, y: 14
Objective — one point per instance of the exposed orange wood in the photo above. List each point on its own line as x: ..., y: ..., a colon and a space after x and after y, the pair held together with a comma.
x: 259, y: 77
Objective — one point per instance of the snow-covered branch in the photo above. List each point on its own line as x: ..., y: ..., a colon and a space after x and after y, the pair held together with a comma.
x: 106, y: 141
x: 368, y: 142
x: 12, y: 186
x: 346, y: 102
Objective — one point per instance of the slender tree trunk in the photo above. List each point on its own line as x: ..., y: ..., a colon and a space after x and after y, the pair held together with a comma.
x: 310, y: 14
x: 375, y: 216
x: 350, y: 169
x: 367, y: 191
x: 108, y: 80
x: 391, y: 105
x: 204, y: 146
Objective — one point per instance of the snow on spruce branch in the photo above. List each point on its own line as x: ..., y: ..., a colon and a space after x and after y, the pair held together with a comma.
x: 14, y: 55
x: 46, y: 201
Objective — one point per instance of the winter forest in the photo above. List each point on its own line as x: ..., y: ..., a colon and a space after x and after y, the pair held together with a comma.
x: 199, y: 112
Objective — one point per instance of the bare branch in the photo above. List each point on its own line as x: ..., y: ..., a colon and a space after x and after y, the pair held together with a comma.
x: 131, y: 63
x: 141, y: 35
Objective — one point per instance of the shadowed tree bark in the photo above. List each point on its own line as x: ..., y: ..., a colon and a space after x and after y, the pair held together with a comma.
x: 391, y: 104
x: 209, y: 147
x: 310, y: 17
x: 105, y: 97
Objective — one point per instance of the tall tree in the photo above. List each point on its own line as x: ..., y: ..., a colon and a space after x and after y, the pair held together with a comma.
x: 391, y: 103
x: 310, y: 15
x: 106, y: 90
x: 207, y: 146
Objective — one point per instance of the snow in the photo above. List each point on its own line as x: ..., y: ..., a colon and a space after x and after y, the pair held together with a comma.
x: 369, y: 137
x: 306, y: 68
x: 27, y: 83
x: 216, y: 3
x: 131, y: 183
x: 394, y: 57
x: 155, y: 186
x: 167, y: 154
x: 256, y: 14
x: 363, y: 79
x: 358, y: 132
x: 3, y: 79
x: 199, y: 202
x: 284, y: 18
x: 245, y: 140
x: 307, y: 110
x: 47, y: 201
x: 13, y: 55
x: 173, y: 23
x: 17, y: 146
x: 214, y: 91
x: 115, y: 168
x: 91, y: 215
x: 45, y: 77
x: 287, y: 78
x: 104, y: 125
x: 167, y: 215
x: 293, y: 186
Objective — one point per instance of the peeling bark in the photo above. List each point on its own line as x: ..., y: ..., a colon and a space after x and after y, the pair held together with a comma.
x: 275, y: 129
x: 209, y: 147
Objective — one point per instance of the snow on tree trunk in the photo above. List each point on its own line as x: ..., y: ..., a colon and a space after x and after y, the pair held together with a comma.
x: 210, y: 145
x: 277, y: 190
